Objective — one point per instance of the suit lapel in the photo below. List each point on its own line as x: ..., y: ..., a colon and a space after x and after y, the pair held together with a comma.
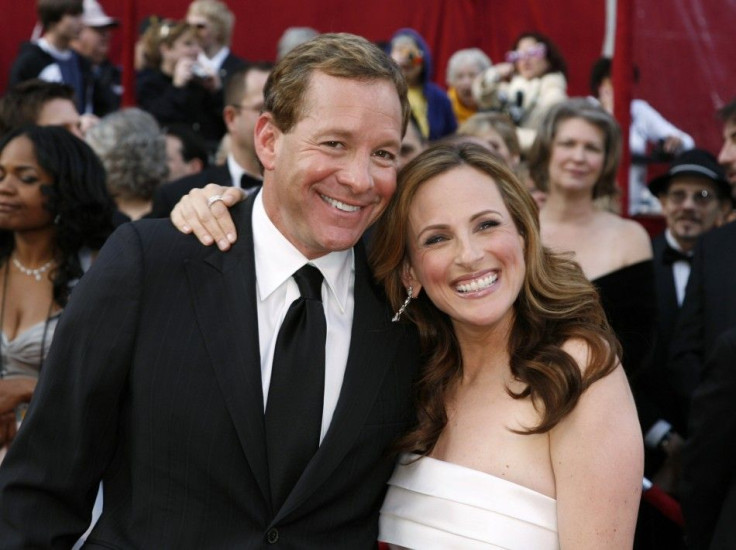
x: 223, y: 287
x: 372, y: 348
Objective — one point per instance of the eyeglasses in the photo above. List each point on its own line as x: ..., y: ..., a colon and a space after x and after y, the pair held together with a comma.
x: 702, y: 197
x: 537, y: 51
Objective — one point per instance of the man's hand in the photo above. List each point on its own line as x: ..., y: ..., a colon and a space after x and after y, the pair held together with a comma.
x: 209, y: 223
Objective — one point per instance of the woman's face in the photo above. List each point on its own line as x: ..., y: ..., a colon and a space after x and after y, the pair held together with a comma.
x: 464, y: 249
x: 22, y: 202
x: 531, y: 58
x: 184, y: 46
x: 578, y: 156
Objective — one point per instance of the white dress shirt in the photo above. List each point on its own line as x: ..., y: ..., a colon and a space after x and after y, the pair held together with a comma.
x: 680, y: 269
x: 276, y: 260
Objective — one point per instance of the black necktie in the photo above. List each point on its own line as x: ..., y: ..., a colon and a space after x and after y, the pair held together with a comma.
x: 295, y: 395
x: 671, y: 255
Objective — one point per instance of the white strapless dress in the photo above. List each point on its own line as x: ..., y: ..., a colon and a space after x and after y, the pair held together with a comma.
x: 432, y: 504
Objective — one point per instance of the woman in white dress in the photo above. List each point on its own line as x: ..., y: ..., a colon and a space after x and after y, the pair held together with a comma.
x: 527, y: 434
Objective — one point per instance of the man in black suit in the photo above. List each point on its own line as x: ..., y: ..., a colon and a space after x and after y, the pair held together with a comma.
x: 695, y: 197
x: 244, y: 102
x: 705, y: 336
x: 708, y: 481
x: 709, y: 308
x: 161, y: 377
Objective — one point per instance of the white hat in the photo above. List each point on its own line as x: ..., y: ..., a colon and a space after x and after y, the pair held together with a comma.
x: 95, y: 16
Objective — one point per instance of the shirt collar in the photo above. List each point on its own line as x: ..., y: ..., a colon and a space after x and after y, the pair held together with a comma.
x: 216, y: 61
x: 236, y: 171
x: 278, y: 259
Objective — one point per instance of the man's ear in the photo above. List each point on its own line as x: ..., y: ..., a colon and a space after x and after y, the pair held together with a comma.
x: 409, y: 279
x: 266, y: 135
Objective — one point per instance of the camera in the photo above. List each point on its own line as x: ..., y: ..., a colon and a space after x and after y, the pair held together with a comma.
x: 199, y: 71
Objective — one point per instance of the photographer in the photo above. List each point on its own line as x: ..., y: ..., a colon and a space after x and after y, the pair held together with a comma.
x: 174, y: 87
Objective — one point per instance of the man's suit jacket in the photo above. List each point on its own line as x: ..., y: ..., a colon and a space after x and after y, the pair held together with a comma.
x: 708, y: 490
x: 231, y: 64
x: 656, y: 399
x: 168, y: 194
x: 153, y: 385
x: 709, y: 308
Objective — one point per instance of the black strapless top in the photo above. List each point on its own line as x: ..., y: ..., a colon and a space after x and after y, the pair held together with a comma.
x: 630, y: 302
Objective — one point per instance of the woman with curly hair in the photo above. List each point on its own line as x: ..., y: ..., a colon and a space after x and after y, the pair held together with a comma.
x: 132, y: 148
x: 527, y: 434
x: 55, y: 213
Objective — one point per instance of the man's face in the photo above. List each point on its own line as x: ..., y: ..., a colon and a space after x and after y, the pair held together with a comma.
x: 69, y: 27
x: 245, y: 115
x: 60, y: 112
x: 727, y: 156
x: 333, y: 173
x: 178, y: 167
x: 691, y: 207
x: 204, y: 32
x: 93, y: 43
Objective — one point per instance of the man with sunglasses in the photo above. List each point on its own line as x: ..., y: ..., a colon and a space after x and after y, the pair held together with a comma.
x: 695, y: 197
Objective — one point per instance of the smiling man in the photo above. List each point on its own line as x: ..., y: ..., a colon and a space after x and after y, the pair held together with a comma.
x: 176, y: 366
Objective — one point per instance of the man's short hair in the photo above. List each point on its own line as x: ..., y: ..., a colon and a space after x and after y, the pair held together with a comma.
x: 192, y: 144
x: 22, y: 104
x: 340, y: 55
x: 218, y: 15
x: 52, y: 11
x: 727, y: 113
x: 235, y: 85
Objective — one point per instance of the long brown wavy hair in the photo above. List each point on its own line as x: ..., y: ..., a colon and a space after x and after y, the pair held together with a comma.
x: 556, y: 303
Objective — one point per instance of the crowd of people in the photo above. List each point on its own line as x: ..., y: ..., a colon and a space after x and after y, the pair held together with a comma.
x: 423, y: 321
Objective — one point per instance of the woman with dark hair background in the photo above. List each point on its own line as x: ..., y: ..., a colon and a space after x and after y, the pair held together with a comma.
x: 55, y: 213
x: 533, y: 79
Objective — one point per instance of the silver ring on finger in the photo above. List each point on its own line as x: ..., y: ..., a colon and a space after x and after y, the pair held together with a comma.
x: 213, y: 199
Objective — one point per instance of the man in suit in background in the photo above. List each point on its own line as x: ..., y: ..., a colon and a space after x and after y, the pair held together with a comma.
x: 708, y: 337
x: 243, y: 104
x: 695, y: 197
x: 709, y: 308
x: 165, y: 364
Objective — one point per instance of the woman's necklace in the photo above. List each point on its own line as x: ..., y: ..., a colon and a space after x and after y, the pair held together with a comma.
x: 2, y: 320
x: 33, y: 272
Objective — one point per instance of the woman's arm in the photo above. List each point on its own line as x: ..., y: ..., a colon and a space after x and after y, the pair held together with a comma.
x: 212, y: 222
x: 597, y: 458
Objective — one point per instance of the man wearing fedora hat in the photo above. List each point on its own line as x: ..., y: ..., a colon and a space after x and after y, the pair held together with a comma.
x: 695, y: 197
x: 93, y: 43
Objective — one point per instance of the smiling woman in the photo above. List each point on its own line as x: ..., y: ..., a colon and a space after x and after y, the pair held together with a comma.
x: 54, y: 213
x: 521, y: 374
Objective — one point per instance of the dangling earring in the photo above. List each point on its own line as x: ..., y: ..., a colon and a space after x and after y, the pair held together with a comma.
x: 409, y: 297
